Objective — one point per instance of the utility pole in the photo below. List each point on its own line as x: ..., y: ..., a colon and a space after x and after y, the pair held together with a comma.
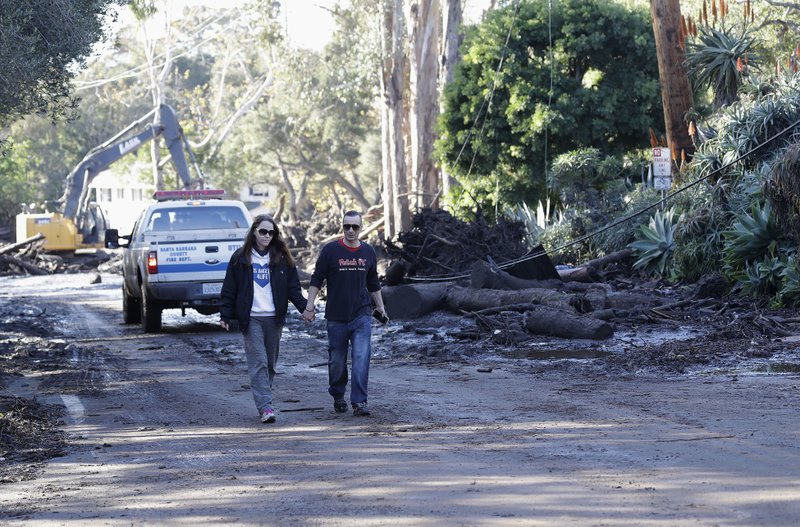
x: 676, y: 92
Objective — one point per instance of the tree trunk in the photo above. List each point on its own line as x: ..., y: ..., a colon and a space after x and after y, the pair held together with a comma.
x: 290, y: 193
x: 451, y: 44
x: 27, y: 241
x: 413, y: 301
x: 547, y: 321
x: 484, y: 276
x: 425, y: 21
x: 465, y: 299
x: 676, y: 92
x: 30, y: 268
x: 394, y: 144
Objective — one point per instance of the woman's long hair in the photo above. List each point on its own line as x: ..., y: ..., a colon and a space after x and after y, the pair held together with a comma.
x: 277, y: 247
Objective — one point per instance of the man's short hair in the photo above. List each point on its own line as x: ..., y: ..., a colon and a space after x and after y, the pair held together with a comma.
x: 352, y: 213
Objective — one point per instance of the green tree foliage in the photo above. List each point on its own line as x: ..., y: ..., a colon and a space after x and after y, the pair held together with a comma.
x: 41, y: 43
x: 15, y: 188
x: 501, y: 125
x: 317, y: 134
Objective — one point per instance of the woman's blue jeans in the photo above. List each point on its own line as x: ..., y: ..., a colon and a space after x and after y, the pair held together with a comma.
x: 355, y: 335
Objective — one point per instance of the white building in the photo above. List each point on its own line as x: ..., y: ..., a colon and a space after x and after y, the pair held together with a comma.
x: 122, y: 197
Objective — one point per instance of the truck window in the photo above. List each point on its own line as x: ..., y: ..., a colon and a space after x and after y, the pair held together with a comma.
x: 198, y: 217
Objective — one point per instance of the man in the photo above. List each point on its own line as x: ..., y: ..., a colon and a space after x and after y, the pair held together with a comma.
x: 350, y: 268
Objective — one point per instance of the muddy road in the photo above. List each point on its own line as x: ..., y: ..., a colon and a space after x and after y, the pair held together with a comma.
x: 162, y: 430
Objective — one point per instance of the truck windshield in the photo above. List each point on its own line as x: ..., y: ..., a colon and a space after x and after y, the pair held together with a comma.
x: 197, y: 218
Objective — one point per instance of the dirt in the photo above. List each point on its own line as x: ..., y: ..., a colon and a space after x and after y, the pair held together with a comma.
x: 685, y: 421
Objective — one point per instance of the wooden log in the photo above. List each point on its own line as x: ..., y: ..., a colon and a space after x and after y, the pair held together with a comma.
x: 485, y: 276
x: 632, y: 301
x: 14, y: 246
x: 410, y: 301
x: 578, y: 274
x: 594, y: 299
x: 547, y: 321
x: 30, y: 268
x: 614, y: 257
x: 459, y: 299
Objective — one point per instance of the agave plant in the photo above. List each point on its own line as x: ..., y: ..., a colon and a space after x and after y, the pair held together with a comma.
x: 790, y: 287
x: 712, y: 61
x: 751, y: 236
x: 655, y: 243
x: 763, y: 277
x: 783, y: 189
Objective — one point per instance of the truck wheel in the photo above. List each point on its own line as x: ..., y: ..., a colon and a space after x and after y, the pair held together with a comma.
x: 131, y: 311
x: 150, y: 313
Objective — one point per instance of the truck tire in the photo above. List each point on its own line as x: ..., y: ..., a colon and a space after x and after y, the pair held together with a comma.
x: 131, y: 310
x: 150, y: 312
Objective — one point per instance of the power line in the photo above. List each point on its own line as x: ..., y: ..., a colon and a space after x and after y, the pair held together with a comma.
x: 487, y: 101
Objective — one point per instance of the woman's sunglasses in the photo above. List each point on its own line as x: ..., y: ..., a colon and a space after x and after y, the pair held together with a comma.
x: 264, y: 232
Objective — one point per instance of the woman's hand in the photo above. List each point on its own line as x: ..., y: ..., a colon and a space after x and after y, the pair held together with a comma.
x: 224, y: 325
x: 309, y: 315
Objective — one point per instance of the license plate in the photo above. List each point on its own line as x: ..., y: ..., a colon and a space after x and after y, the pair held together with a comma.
x: 212, y: 289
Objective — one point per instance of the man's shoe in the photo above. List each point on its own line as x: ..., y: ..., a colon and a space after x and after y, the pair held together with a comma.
x: 340, y: 405
x: 268, y: 416
x: 360, y: 409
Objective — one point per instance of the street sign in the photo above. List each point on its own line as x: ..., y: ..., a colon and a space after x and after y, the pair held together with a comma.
x: 662, y: 162
x: 662, y: 169
x: 662, y: 183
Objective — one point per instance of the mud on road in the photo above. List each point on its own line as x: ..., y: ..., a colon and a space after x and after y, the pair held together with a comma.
x: 161, y: 429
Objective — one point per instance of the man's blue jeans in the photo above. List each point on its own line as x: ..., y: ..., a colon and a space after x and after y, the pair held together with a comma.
x: 355, y: 335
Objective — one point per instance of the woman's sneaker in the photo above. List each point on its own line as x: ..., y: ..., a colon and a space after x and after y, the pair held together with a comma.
x: 360, y: 409
x: 268, y: 416
x: 340, y: 406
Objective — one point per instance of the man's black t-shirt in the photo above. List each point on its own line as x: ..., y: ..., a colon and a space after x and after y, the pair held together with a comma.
x: 352, y: 275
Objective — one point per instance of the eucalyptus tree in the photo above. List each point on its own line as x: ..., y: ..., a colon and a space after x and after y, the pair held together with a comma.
x: 312, y: 136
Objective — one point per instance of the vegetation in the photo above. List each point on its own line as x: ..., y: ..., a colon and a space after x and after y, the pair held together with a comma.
x: 511, y: 109
x: 41, y: 41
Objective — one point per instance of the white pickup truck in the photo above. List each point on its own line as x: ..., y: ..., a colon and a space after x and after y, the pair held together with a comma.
x: 177, y: 254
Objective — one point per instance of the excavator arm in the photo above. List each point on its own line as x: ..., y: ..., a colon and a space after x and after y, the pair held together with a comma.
x: 76, y: 193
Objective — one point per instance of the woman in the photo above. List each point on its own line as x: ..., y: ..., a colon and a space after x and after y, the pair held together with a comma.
x: 260, y: 281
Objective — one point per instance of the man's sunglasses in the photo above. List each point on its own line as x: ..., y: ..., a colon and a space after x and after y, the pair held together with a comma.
x: 349, y: 227
x: 264, y: 232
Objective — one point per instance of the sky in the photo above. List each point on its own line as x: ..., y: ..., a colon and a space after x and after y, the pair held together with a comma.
x: 309, y: 23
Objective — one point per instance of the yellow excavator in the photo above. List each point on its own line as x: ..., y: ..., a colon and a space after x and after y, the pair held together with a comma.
x: 78, y: 223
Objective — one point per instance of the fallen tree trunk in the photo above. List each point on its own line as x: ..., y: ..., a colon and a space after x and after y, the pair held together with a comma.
x: 32, y: 269
x: 614, y: 257
x: 413, y: 300
x: 578, y: 274
x: 547, y: 321
x: 459, y: 299
x: 485, y: 276
x: 14, y: 246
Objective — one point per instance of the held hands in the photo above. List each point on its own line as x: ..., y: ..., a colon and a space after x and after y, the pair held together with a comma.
x: 309, y: 314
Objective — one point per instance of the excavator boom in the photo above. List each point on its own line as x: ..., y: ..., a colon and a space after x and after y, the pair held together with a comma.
x: 81, y: 224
